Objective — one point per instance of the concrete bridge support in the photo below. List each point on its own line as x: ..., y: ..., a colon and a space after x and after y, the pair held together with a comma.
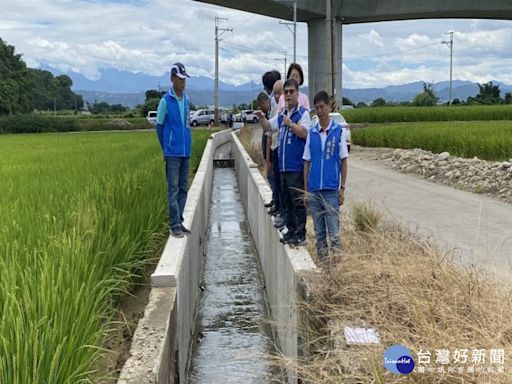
x: 319, y: 74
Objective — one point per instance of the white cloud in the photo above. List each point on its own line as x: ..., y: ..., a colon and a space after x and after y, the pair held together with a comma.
x: 373, y: 38
x: 147, y: 36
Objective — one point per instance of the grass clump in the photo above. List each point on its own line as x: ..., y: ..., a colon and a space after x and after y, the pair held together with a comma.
x: 366, y: 218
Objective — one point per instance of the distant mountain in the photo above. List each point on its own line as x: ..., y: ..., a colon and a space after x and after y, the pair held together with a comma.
x: 406, y: 92
x: 128, y: 88
x: 116, y: 81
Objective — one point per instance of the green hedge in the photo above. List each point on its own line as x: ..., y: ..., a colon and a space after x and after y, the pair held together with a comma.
x: 438, y: 113
x: 36, y: 123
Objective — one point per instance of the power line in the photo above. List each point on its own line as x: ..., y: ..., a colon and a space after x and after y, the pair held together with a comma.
x: 250, y: 49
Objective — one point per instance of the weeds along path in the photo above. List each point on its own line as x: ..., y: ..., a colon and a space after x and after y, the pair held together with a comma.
x: 471, y: 228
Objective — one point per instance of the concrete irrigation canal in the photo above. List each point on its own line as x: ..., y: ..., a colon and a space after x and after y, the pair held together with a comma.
x: 223, y: 299
x: 233, y: 332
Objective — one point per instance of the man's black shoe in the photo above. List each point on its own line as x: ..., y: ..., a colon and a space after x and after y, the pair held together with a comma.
x: 298, y: 242
x: 177, y: 232
x: 288, y: 239
x: 185, y: 230
x: 269, y: 204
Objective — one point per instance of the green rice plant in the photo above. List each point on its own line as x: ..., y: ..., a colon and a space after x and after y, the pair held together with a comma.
x: 489, y: 140
x: 438, y: 113
x: 79, y: 214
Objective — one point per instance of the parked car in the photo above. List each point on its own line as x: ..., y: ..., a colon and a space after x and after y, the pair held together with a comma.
x: 202, y: 116
x: 151, y: 117
x: 339, y: 119
x: 248, y: 116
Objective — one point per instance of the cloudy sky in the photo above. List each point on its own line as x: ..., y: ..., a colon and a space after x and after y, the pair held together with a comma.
x: 149, y: 35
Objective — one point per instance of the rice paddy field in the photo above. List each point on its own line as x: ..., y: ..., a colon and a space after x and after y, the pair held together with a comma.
x: 438, y: 113
x: 488, y: 140
x: 79, y: 217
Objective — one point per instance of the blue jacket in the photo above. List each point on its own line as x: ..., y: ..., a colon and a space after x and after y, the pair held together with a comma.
x: 324, y: 172
x: 174, y: 136
x: 291, y: 146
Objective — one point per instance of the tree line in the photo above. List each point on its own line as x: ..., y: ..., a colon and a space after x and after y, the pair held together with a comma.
x: 23, y: 90
x: 488, y: 94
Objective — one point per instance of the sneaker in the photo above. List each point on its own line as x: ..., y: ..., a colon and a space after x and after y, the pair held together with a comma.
x: 185, y: 230
x: 298, y: 242
x: 177, y: 232
x: 288, y: 239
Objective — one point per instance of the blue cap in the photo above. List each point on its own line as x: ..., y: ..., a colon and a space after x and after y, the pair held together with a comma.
x: 178, y: 69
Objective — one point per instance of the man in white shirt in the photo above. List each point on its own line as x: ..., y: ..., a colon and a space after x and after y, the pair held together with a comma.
x: 325, y: 175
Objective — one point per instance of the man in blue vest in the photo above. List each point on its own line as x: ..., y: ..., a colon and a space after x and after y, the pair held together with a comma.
x: 325, y: 175
x: 173, y: 130
x: 292, y: 124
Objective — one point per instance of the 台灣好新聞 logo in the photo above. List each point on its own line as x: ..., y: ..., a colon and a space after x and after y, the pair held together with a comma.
x: 398, y: 359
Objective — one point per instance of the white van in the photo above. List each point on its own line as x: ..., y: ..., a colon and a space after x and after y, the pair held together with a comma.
x: 151, y: 117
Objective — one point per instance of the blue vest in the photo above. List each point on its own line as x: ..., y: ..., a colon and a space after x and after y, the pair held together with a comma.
x: 324, y: 172
x: 291, y: 146
x: 176, y: 135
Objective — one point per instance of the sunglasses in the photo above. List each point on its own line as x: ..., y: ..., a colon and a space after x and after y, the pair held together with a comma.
x: 289, y: 91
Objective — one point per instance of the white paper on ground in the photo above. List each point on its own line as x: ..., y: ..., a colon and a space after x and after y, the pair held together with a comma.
x: 361, y: 336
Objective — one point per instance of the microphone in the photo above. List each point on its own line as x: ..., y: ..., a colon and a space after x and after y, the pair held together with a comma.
x: 285, y: 110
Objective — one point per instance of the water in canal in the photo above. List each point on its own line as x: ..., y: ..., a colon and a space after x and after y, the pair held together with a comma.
x: 234, y: 340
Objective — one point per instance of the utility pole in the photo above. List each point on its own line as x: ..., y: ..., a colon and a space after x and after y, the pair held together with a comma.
x: 449, y: 44
x: 216, y: 91
x: 283, y: 60
x: 294, y: 30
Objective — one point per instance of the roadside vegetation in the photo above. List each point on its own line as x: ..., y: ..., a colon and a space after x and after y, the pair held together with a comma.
x: 437, y: 113
x: 485, y: 139
x: 79, y: 217
x: 413, y: 294
x: 38, y: 123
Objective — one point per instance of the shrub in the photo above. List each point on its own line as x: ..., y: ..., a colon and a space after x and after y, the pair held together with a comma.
x: 36, y: 123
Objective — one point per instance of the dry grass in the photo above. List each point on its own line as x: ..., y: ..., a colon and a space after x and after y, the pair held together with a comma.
x: 392, y: 280
x: 252, y: 147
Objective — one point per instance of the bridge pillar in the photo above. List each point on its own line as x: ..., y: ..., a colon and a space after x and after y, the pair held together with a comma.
x: 318, y: 76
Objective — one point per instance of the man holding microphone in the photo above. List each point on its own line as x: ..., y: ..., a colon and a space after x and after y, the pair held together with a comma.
x: 293, y: 125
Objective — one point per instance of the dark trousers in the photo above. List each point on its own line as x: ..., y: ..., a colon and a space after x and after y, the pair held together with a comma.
x: 276, y: 190
x: 292, y: 187
x: 176, y: 172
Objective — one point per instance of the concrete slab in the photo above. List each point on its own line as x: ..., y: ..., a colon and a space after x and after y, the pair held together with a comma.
x: 152, y: 345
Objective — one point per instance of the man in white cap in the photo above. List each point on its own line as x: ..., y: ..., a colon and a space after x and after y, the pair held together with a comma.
x: 173, y: 130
